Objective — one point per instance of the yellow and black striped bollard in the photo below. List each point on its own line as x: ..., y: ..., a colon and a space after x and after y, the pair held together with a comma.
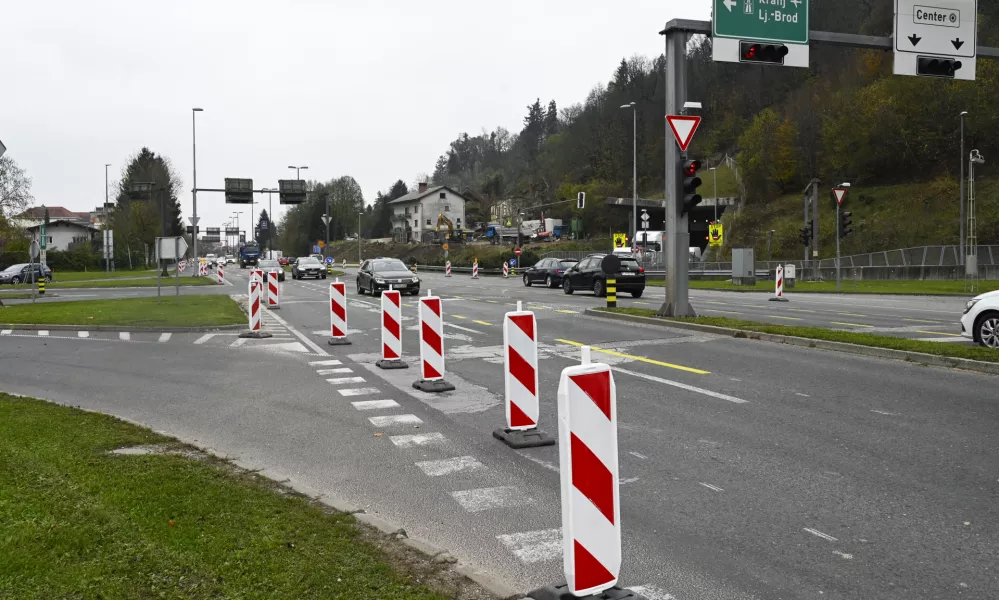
x: 611, y: 292
x: 41, y: 286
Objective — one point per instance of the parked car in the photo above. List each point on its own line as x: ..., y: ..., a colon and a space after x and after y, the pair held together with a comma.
x: 587, y: 275
x: 271, y: 265
x: 24, y: 272
x: 378, y: 274
x: 980, y: 321
x: 308, y: 266
x: 548, y: 271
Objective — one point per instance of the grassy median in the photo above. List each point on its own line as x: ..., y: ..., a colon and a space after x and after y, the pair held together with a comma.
x: 831, y: 335
x: 203, y: 310
x: 79, y: 522
x: 936, y: 288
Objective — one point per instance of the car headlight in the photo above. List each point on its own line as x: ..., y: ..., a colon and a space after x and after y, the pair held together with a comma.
x: 415, y: 280
x: 380, y: 279
x: 969, y: 305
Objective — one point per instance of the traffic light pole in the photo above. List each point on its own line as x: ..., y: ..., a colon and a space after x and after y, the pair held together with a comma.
x: 837, y: 245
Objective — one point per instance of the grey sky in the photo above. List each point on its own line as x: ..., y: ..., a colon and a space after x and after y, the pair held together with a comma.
x: 375, y: 89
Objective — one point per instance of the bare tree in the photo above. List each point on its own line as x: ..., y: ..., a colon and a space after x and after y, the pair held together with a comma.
x: 15, y: 189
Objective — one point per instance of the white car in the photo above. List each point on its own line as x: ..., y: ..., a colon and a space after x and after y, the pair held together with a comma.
x: 980, y: 321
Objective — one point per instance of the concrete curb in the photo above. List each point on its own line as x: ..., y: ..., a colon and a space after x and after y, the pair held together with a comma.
x: 792, y: 292
x: 903, y: 355
x: 36, y: 327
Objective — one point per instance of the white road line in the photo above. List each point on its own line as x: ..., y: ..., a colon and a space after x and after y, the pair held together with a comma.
x: 802, y: 395
x: 8, y: 332
x: 419, y: 439
x: 204, y: 338
x: 83, y: 334
x: 345, y: 380
x: 43, y: 332
x: 374, y: 404
x: 124, y: 336
x: 459, y: 327
x: 682, y: 386
x: 358, y: 391
x: 165, y: 337
x: 239, y: 342
x: 711, y: 487
x: 436, y: 468
x: 324, y: 363
x: 534, y: 546
x: 843, y: 555
x: 543, y: 463
x: 334, y: 371
x: 482, y: 499
x: 637, y: 455
x: 818, y: 533
x: 390, y: 420
x: 305, y: 340
x: 887, y: 414
x: 627, y: 480
x: 652, y: 592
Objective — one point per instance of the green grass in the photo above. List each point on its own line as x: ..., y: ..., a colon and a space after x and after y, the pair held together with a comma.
x: 203, y: 310
x: 77, y: 522
x: 945, y: 287
x: 120, y: 283
x: 728, y: 187
x: 81, y: 275
x: 832, y: 335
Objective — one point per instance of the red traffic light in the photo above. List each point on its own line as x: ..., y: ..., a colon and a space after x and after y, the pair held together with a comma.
x: 690, y: 167
x: 751, y: 52
x: 756, y: 52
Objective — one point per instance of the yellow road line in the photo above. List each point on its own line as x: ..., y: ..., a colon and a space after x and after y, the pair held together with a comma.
x: 785, y: 318
x: 920, y: 321
x: 802, y: 310
x: 568, y: 312
x: 852, y: 324
x: 940, y: 333
x: 714, y: 302
x: 638, y: 358
x: 482, y: 323
x: 459, y: 317
x: 852, y: 315
x: 492, y: 302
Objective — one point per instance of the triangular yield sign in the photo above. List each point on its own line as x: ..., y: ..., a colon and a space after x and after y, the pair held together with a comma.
x: 683, y: 129
x: 840, y: 193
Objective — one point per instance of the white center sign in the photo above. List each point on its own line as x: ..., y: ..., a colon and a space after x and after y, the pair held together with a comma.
x: 936, y: 29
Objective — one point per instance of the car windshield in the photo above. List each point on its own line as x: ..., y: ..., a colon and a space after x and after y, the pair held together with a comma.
x: 629, y: 264
x: 384, y: 266
x: 566, y: 263
x: 14, y: 268
x: 251, y: 248
x: 308, y: 260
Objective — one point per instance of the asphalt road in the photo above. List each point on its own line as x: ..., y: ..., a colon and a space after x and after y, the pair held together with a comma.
x: 748, y: 469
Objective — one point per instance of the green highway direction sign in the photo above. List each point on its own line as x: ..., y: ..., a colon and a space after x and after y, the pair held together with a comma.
x: 773, y: 21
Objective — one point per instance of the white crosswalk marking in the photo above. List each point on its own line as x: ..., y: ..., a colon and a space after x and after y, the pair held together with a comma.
x: 419, y: 439
x: 239, y: 342
x: 489, y: 498
x: 390, y: 420
x: 652, y: 592
x: 164, y: 337
x: 358, y: 391
x: 436, y: 468
x: 6, y: 332
x: 204, y: 338
x: 534, y: 546
x: 333, y: 371
x: 324, y: 363
x: 83, y: 334
x: 43, y: 332
x: 124, y: 336
x: 374, y: 404
x: 345, y: 380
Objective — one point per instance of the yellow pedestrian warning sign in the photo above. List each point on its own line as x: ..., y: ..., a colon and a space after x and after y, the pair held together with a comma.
x: 716, y: 234
x: 321, y: 243
x: 445, y: 246
x: 620, y: 240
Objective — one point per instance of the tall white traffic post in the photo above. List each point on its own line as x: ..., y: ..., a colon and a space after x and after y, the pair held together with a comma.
x: 273, y: 289
x: 253, y: 310
x: 779, y: 285
x: 447, y: 269
x: 506, y: 270
x: 475, y: 269
x: 432, y: 371
x: 338, y: 314
x: 220, y: 275
x: 520, y: 378
x: 391, y: 331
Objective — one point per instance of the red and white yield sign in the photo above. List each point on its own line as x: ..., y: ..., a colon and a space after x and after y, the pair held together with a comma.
x: 588, y: 457
x: 683, y: 127
x: 840, y: 193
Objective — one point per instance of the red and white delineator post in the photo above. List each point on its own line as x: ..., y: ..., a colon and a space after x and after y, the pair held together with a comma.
x: 475, y: 269
x: 253, y: 309
x: 447, y: 269
x: 338, y: 314
x: 273, y: 289
x: 431, y: 313
x: 203, y: 268
x: 344, y: 264
x: 588, y: 461
x: 779, y: 291
x: 220, y: 275
x: 520, y: 378
x: 391, y: 331
x: 506, y: 270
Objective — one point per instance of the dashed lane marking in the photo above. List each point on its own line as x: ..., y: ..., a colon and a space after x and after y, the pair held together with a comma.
x: 447, y: 466
x: 460, y: 328
x: 682, y: 386
x: 323, y: 363
x: 852, y: 324
x: 459, y: 317
x: 374, y: 404
x: 727, y: 312
x: 165, y: 337
x: 395, y: 420
x: 853, y: 315
x: 534, y: 546
x: 567, y: 312
x: 818, y: 533
x: 482, y: 323
x: 638, y: 455
x: 638, y: 358
x: 345, y: 380
x: 711, y: 487
x: 357, y: 391
x: 940, y: 333
x: 785, y: 318
x: 419, y: 439
x: 921, y: 321
x: 483, y: 499
x: 124, y: 336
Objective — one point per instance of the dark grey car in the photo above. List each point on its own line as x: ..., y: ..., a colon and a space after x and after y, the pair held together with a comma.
x: 378, y: 274
x: 308, y: 267
x: 24, y: 273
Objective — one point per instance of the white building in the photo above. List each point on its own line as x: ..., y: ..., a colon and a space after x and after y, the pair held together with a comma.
x: 415, y: 215
x: 65, y: 234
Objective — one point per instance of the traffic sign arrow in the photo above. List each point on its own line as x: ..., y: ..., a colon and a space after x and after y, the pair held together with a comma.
x: 840, y: 193
x: 914, y: 39
x: 957, y: 43
x: 729, y: 4
x: 683, y: 128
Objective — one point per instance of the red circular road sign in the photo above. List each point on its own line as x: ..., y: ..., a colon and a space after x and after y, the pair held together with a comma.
x: 517, y: 251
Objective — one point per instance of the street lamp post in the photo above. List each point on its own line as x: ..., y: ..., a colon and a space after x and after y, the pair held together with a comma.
x: 236, y: 214
x: 634, y: 169
x: 107, y: 257
x: 194, y: 191
x: 960, y: 257
x: 298, y: 170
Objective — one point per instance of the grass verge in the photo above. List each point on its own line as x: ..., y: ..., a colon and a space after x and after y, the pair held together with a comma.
x: 184, y: 311
x: 86, y: 275
x: 831, y: 335
x: 947, y: 288
x: 120, y: 283
x: 80, y: 522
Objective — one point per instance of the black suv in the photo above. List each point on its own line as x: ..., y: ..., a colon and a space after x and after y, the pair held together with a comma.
x: 548, y: 271
x: 308, y: 267
x: 587, y: 275
x: 378, y: 274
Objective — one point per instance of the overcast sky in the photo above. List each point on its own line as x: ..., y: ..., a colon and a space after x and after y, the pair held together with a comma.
x: 375, y: 89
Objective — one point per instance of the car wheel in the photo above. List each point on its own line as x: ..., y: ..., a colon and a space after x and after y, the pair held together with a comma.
x: 549, y: 282
x: 15, y: 280
x: 360, y: 290
x: 48, y: 279
x: 527, y: 280
x: 371, y: 289
x: 598, y: 288
x: 637, y: 294
x: 987, y: 328
x: 324, y: 276
x: 567, y: 286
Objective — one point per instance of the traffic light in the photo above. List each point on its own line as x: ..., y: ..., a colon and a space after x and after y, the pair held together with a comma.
x: 756, y: 52
x: 937, y: 67
x: 691, y: 182
x: 845, y: 223
x: 805, y: 234
x: 581, y: 200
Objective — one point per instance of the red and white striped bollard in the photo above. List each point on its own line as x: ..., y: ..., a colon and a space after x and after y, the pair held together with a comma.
x: 475, y: 270
x: 274, y: 289
x: 391, y: 331
x: 506, y: 270
x: 520, y: 378
x: 447, y: 269
x: 220, y: 275
x: 431, y: 313
x: 779, y: 292
x: 338, y: 314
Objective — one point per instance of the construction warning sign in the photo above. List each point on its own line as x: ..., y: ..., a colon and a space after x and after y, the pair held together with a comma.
x: 620, y: 240
x: 715, y: 234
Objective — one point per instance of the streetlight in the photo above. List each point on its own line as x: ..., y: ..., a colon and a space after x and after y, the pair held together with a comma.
x: 107, y: 259
x: 298, y: 170
x: 270, y: 221
x: 194, y: 191
x: 634, y: 168
x: 714, y: 171
x: 961, y: 229
x: 236, y: 214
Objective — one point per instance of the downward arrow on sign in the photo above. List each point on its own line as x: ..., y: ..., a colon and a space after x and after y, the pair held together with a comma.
x: 914, y: 39
x: 957, y: 43
x: 729, y: 4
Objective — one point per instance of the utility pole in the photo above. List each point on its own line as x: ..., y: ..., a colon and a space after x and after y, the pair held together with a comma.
x: 358, y: 238
x: 107, y: 255
x: 194, y: 192
x: 960, y: 257
x: 633, y: 230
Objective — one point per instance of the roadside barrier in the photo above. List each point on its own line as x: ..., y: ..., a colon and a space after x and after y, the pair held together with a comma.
x: 432, y: 346
x: 220, y: 275
x: 779, y: 292
x: 520, y: 378
x: 475, y: 270
x: 506, y: 270
x: 344, y: 264
x: 447, y: 269
x: 391, y: 331
x: 273, y: 289
x: 338, y: 314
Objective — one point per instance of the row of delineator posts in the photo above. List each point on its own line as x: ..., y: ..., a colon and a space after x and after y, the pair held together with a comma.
x: 587, y: 423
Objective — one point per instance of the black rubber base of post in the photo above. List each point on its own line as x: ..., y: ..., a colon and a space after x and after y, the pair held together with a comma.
x: 338, y: 341
x: 273, y: 307
x: 255, y: 335
x: 436, y: 386
x: 391, y: 364
x: 776, y: 299
x: 527, y: 438
x: 561, y: 592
